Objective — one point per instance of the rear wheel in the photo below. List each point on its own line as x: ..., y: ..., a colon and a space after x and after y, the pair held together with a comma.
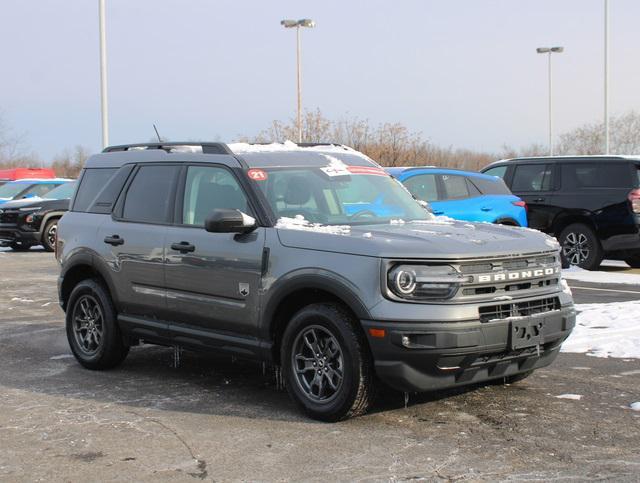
x: 326, y: 363
x: 92, y: 330
x: 581, y: 247
x: 49, y: 235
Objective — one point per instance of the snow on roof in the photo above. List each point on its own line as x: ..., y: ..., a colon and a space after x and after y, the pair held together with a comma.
x: 240, y: 148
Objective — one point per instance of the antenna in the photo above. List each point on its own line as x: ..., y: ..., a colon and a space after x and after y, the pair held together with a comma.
x: 157, y: 133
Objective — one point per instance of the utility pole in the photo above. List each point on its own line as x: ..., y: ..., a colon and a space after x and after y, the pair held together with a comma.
x: 549, y: 51
x: 606, y: 76
x: 103, y: 76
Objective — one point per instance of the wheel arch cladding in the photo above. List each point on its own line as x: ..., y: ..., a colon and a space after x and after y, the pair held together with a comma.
x: 81, y: 270
x: 304, y: 290
x: 564, y: 220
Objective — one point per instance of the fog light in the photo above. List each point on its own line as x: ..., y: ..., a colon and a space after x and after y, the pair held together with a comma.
x: 29, y: 219
x: 405, y: 341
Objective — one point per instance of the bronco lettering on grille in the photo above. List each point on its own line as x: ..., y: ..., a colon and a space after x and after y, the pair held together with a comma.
x: 522, y: 275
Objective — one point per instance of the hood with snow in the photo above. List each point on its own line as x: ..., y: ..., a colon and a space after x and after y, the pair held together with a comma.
x: 440, y: 238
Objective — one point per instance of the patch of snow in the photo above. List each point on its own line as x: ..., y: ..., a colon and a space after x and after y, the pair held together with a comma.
x: 552, y: 242
x: 299, y: 223
x: 335, y: 167
x: 61, y: 356
x: 606, y: 330
x: 635, y: 406
x: 574, y: 397
x: 580, y: 275
x: 399, y: 221
x: 367, y: 235
x: 21, y: 299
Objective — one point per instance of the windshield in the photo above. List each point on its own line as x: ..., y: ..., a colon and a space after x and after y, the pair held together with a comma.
x: 364, y: 195
x: 62, y: 192
x: 10, y: 190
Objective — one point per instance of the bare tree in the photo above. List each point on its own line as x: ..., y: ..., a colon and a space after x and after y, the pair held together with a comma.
x: 69, y: 163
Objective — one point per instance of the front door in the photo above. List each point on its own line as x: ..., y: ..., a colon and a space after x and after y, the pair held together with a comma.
x: 212, y: 279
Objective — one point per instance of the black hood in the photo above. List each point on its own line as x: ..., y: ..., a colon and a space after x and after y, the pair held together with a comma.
x: 44, y: 203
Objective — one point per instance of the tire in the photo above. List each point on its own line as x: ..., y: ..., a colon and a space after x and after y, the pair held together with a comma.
x: 633, y: 261
x: 49, y: 235
x: 342, y: 350
x: 105, y: 348
x: 20, y: 246
x: 581, y: 247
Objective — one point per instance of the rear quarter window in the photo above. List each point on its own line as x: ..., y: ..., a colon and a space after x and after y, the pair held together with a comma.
x: 595, y: 175
x: 490, y: 187
x: 91, y: 184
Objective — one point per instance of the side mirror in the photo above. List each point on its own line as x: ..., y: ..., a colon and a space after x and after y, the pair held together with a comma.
x: 229, y: 221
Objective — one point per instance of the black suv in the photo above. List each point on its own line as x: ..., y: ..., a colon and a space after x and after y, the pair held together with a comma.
x: 591, y: 204
x: 28, y: 222
x: 312, y: 258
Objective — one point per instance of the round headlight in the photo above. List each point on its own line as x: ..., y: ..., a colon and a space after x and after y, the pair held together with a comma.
x: 405, y: 281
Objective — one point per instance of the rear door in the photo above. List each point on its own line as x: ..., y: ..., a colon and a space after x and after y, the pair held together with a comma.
x: 133, y: 240
x: 535, y: 184
x: 212, y: 279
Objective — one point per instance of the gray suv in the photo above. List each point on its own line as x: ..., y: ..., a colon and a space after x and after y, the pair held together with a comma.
x: 310, y: 258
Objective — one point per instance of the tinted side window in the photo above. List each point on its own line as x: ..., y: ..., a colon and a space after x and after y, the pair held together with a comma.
x: 490, y: 187
x: 591, y: 175
x: 208, y: 188
x: 455, y: 187
x: 149, y: 194
x: 531, y: 177
x: 498, y: 171
x: 423, y: 187
x: 93, y: 180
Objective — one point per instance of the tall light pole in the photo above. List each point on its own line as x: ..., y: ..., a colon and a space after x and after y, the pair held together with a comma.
x: 549, y: 51
x: 103, y: 76
x: 305, y: 22
x: 606, y: 76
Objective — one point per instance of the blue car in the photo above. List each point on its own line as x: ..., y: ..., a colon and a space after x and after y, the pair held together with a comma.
x: 463, y: 195
x: 28, y: 188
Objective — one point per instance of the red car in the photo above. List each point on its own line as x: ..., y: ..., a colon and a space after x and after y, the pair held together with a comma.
x: 25, y: 173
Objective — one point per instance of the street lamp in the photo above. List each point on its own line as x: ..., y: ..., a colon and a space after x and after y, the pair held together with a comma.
x: 103, y: 76
x: 549, y: 51
x: 288, y: 24
x: 606, y: 76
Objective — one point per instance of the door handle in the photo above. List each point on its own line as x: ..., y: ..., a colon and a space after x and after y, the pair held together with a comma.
x: 486, y: 208
x: 183, y: 247
x: 114, y: 240
x: 538, y: 200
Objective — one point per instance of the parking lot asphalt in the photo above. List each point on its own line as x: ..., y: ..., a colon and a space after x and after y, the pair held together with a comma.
x: 213, y: 418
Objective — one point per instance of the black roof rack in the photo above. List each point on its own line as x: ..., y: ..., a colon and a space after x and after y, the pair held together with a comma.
x: 207, y: 148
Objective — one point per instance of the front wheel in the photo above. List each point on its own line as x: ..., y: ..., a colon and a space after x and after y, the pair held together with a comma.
x: 49, y: 235
x: 581, y: 247
x: 326, y: 363
x: 92, y: 329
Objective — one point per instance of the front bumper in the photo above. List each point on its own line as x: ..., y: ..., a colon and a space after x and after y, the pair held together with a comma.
x: 439, y: 355
x: 10, y: 233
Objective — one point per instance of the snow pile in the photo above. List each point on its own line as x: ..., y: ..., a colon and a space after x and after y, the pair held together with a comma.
x: 606, y: 330
x: 436, y: 220
x: 580, y: 275
x: 299, y: 223
x: 635, y: 406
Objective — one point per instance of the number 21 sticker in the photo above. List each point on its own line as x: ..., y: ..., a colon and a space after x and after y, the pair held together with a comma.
x: 257, y: 174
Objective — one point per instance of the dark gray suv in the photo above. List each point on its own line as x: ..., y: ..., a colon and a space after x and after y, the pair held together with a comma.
x: 311, y: 258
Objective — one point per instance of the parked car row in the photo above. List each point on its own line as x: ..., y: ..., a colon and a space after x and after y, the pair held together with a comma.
x: 29, y: 215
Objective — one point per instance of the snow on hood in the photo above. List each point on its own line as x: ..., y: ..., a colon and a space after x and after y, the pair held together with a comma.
x: 422, y: 239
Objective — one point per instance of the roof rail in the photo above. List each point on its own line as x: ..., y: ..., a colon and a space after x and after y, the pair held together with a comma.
x: 207, y: 148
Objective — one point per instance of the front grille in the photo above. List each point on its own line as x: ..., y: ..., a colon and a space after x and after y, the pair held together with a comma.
x: 9, y: 217
x: 519, y: 309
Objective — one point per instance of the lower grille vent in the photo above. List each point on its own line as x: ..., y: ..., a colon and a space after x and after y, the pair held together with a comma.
x: 519, y: 309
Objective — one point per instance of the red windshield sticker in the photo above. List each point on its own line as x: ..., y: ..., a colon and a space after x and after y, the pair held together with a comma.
x: 257, y: 174
x: 373, y: 170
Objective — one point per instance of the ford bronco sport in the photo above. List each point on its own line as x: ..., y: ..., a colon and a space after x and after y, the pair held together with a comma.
x: 310, y: 258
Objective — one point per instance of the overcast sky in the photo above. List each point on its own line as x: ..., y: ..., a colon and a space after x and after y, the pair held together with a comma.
x: 463, y: 72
